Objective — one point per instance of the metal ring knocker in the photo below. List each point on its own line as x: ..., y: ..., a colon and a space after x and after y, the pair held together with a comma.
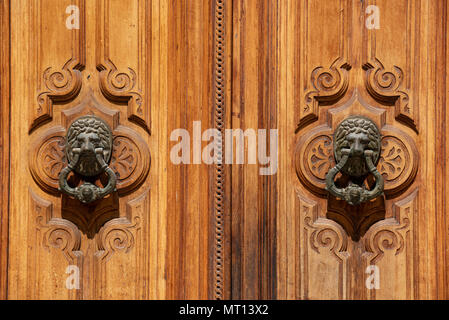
x: 89, y: 148
x: 357, y: 149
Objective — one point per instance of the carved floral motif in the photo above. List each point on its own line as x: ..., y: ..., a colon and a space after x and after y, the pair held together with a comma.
x: 125, y: 157
x: 53, y: 156
x: 395, y: 158
x: 321, y: 156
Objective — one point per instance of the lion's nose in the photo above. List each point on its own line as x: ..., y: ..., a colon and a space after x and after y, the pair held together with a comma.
x: 357, y: 149
x: 87, y: 148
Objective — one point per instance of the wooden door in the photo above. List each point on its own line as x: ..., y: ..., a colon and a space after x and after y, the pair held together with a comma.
x: 304, y: 67
x: 146, y: 68
x: 223, y: 230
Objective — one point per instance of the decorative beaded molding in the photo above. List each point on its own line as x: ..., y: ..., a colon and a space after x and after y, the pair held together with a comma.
x: 219, y: 74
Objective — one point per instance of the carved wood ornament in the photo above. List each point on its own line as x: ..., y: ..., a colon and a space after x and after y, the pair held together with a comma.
x: 219, y: 70
x: 394, y: 156
x: 130, y: 158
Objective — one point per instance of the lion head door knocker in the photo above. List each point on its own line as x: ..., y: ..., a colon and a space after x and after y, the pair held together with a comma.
x: 88, y: 151
x: 357, y: 147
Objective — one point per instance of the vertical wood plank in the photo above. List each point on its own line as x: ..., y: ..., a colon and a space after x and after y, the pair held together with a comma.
x: 254, y: 107
x: 441, y: 148
x: 189, y: 209
x: 4, y: 143
x: 445, y: 56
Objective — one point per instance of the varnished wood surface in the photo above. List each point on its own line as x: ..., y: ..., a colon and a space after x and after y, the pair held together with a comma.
x: 202, y: 231
x: 4, y: 144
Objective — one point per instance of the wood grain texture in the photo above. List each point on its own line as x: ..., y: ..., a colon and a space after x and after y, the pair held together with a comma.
x: 189, y: 195
x: 4, y: 142
x: 442, y: 134
x: 254, y: 106
x: 223, y: 231
x: 58, y: 77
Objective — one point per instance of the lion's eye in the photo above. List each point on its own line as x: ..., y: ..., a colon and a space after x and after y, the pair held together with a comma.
x: 365, y: 141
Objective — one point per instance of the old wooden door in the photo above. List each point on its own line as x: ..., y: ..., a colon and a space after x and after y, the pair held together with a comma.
x: 220, y: 230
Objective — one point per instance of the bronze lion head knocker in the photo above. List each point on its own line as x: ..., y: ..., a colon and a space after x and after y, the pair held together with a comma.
x: 357, y: 147
x: 88, y: 151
